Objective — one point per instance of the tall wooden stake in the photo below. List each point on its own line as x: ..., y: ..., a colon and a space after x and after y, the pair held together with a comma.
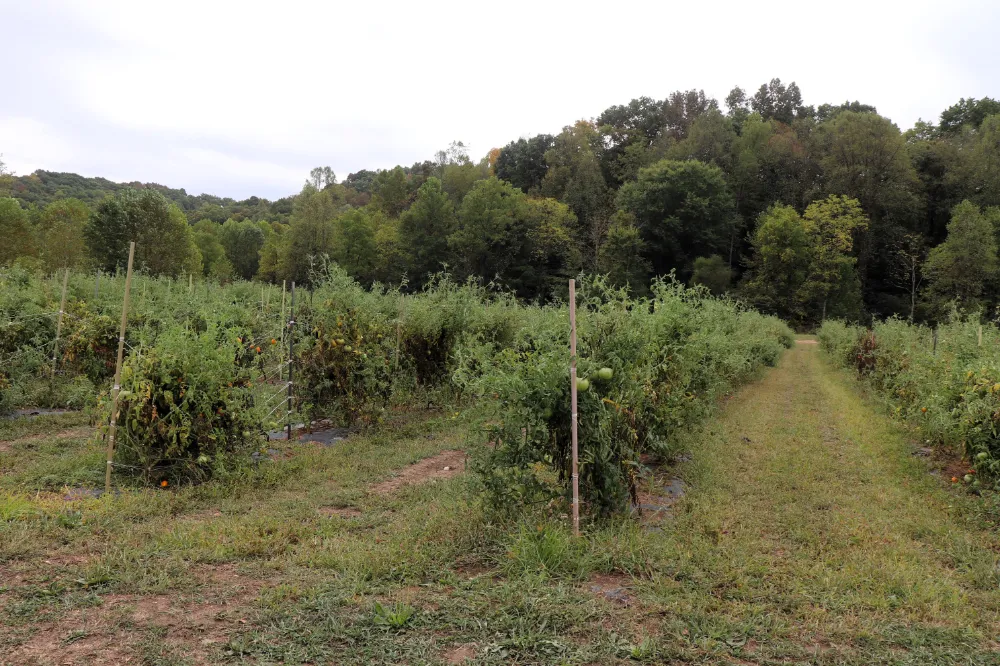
x: 572, y: 396
x: 979, y: 335
x: 190, y: 283
x: 291, y: 343
x: 62, y: 309
x: 934, y: 339
x: 118, y: 372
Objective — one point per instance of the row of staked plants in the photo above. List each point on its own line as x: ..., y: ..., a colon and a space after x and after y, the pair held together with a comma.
x: 204, y: 377
x: 949, y: 387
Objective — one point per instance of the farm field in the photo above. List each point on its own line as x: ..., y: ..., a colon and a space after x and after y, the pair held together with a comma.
x: 809, y: 533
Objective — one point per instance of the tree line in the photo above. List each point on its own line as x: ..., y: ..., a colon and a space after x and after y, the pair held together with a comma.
x: 806, y: 212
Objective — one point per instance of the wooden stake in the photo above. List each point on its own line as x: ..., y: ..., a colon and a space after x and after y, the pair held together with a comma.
x: 979, y: 335
x: 291, y: 343
x: 116, y: 388
x: 934, y: 339
x: 191, y: 283
x: 62, y: 308
x: 572, y: 393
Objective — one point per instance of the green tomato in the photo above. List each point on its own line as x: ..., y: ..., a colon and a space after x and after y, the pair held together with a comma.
x: 968, y: 478
x: 982, y: 456
x: 582, y: 385
x: 605, y: 373
x: 348, y: 348
x: 547, y: 413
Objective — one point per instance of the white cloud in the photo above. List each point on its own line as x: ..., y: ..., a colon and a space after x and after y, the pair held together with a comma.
x: 28, y: 144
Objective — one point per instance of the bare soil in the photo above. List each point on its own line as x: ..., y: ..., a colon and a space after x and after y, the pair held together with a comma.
x: 441, y: 466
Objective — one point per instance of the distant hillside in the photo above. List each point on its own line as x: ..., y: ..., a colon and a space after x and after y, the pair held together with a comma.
x: 43, y: 187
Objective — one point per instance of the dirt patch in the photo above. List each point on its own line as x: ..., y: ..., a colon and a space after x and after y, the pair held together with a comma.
x: 80, y: 638
x: 460, y: 654
x: 441, y: 466
x: 612, y: 587
x: 807, y: 342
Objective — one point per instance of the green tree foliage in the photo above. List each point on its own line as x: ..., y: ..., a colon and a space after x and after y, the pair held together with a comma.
x: 15, y: 230
x: 828, y: 111
x: 271, y: 252
x: 802, y: 266
x: 967, y: 113
x: 164, y: 242
x: 682, y: 109
x: 503, y: 234
x: 310, y: 233
x: 683, y: 210
x: 457, y: 179
x: 354, y: 245
x: 832, y: 224
x: 60, y: 234
x: 713, y: 273
x: 391, y: 191
x: 984, y: 163
x: 361, y: 181
x: 960, y: 269
x: 424, y: 230
x: 866, y: 159
x: 522, y: 163
x: 206, y: 238
x: 574, y: 177
x: 622, y: 255
x: 775, y: 100
x: 782, y: 253
x: 242, y: 242
x: 320, y: 177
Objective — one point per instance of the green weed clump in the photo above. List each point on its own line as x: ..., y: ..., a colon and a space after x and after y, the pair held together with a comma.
x: 952, y: 391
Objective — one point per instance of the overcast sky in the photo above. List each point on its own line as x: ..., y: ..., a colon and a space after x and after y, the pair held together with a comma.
x: 243, y: 98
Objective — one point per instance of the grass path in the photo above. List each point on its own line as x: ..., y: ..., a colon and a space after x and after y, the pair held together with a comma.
x: 810, y: 534
x: 813, y: 534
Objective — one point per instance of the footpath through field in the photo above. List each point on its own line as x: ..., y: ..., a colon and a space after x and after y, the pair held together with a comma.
x: 813, y: 534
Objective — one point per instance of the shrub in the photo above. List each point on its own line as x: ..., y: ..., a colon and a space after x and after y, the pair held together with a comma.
x: 953, y: 393
x: 187, y: 408
x: 671, y: 356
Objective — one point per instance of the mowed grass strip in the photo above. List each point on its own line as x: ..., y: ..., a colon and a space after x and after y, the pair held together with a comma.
x: 810, y: 534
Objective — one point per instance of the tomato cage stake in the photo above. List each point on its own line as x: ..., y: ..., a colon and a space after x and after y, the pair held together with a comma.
x: 118, y: 373
x: 572, y: 393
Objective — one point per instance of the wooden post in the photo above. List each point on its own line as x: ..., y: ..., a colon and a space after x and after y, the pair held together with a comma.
x: 979, y: 335
x: 190, y: 283
x: 116, y: 388
x: 934, y: 339
x: 262, y: 299
x: 291, y: 344
x: 62, y: 308
x: 572, y: 396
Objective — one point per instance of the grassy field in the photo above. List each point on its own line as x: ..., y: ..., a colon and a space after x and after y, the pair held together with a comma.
x: 810, y: 534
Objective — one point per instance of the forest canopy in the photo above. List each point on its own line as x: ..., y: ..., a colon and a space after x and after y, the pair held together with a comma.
x: 803, y: 211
